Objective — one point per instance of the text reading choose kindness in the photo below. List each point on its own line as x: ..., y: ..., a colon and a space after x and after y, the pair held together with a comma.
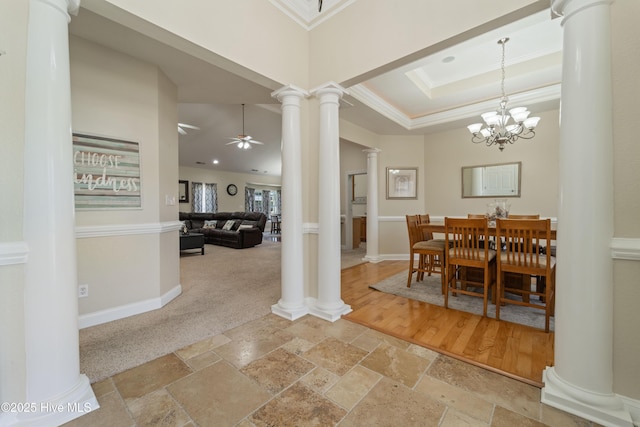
x: 109, y: 164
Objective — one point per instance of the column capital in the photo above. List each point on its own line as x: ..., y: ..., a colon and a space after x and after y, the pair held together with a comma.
x: 289, y: 90
x: 372, y: 151
x: 73, y: 7
x: 566, y: 8
x: 329, y: 87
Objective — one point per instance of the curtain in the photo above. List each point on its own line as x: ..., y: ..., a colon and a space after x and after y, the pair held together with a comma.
x: 266, y: 202
x: 278, y: 202
x: 205, y: 197
x: 196, y: 199
x: 249, y: 201
x: 211, y: 198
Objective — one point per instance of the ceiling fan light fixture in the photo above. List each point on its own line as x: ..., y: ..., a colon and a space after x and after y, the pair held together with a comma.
x: 243, y: 141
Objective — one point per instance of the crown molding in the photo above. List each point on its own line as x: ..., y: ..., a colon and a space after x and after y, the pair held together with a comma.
x: 305, y: 12
x: 367, y: 97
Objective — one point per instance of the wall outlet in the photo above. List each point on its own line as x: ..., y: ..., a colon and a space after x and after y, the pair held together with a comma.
x: 83, y: 291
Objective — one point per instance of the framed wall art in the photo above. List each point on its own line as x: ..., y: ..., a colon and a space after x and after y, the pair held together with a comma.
x: 106, y: 173
x: 402, y: 183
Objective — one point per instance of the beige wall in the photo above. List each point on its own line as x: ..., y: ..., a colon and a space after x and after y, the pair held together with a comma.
x: 226, y: 203
x: 626, y: 286
x: 447, y: 152
x: 119, y: 96
x: 13, y: 21
x: 260, y: 54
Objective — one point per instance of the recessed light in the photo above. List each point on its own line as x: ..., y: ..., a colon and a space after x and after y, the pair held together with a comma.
x: 215, y: 161
x: 448, y: 59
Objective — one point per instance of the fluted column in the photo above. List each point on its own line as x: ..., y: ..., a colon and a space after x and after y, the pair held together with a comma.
x: 329, y: 305
x: 581, y: 381
x: 372, y: 205
x: 51, y: 290
x: 291, y: 304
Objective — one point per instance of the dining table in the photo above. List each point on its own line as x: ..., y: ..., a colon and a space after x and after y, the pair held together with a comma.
x: 438, y: 227
x: 523, y: 280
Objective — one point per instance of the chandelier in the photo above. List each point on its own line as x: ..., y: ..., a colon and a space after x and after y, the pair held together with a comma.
x: 498, y: 130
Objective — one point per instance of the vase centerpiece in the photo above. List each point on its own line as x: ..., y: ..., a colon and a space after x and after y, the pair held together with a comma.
x: 499, y: 208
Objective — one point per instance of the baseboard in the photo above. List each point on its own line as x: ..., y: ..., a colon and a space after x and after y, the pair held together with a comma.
x: 607, y: 410
x: 127, y: 310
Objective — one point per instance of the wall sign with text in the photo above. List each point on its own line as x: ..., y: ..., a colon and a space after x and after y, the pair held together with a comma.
x: 106, y: 173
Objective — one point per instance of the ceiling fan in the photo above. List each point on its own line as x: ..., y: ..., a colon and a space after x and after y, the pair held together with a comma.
x: 243, y: 141
x: 183, y: 126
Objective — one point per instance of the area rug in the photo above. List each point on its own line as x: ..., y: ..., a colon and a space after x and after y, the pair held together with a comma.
x: 429, y: 290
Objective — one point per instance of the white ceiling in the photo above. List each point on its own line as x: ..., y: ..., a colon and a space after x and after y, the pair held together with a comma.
x: 448, y: 89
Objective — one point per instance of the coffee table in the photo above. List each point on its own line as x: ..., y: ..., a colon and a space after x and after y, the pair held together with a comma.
x: 192, y: 241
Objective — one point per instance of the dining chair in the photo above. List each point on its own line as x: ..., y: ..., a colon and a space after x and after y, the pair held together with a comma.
x: 520, y: 216
x: 521, y: 255
x: 427, y: 251
x: 275, y: 223
x: 463, y: 237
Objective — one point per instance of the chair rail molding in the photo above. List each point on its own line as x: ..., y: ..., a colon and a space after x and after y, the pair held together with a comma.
x: 13, y: 253
x: 89, y: 231
x: 625, y: 248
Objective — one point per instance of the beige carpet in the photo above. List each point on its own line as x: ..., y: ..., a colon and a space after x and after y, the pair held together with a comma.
x: 429, y: 291
x: 223, y: 289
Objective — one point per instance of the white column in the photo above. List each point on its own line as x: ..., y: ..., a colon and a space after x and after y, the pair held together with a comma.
x: 372, y: 205
x: 291, y: 304
x: 581, y: 382
x: 51, y: 290
x: 329, y: 305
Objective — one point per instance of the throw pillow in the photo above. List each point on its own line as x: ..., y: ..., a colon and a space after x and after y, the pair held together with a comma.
x: 244, y: 226
x: 210, y: 224
x: 230, y: 223
x: 249, y: 223
x: 236, y: 224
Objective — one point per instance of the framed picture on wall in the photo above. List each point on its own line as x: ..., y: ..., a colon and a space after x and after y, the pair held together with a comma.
x: 402, y: 183
x: 183, y: 191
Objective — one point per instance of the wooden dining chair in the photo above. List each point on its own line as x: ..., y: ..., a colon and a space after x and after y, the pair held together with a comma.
x: 520, y: 216
x: 463, y: 237
x: 521, y: 255
x: 426, y: 250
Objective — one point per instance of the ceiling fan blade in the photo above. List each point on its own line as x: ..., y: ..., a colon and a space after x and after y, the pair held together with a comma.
x: 184, y: 125
x: 253, y: 141
x: 181, y: 131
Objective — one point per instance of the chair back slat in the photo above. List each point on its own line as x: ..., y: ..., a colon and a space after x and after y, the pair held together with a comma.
x: 522, y: 240
x: 465, y: 239
x: 413, y: 229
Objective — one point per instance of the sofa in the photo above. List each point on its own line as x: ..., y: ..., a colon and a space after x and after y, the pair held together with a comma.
x: 237, y: 230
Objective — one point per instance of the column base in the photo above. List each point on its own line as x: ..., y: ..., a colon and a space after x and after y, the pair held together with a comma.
x: 604, y: 409
x: 374, y: 259
x: 289, y: 313
x: 331, y: 314
x: 75, y: 403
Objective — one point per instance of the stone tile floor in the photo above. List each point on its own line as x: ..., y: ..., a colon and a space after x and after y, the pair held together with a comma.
x: 273, y: 372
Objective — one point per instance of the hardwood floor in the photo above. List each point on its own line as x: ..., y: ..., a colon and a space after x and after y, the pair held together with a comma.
x: 518, y: 351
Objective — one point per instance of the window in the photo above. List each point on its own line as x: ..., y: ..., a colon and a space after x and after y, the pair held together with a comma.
x: 205, y: 197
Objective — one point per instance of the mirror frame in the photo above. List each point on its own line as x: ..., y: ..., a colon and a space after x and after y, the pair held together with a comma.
x: 492, y: 196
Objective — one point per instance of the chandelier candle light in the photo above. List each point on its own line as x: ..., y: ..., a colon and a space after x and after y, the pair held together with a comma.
x: 498, y: 130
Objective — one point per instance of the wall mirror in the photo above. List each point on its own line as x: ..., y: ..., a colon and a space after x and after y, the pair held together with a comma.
x: 497, y: 180
x: 183, y: 191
